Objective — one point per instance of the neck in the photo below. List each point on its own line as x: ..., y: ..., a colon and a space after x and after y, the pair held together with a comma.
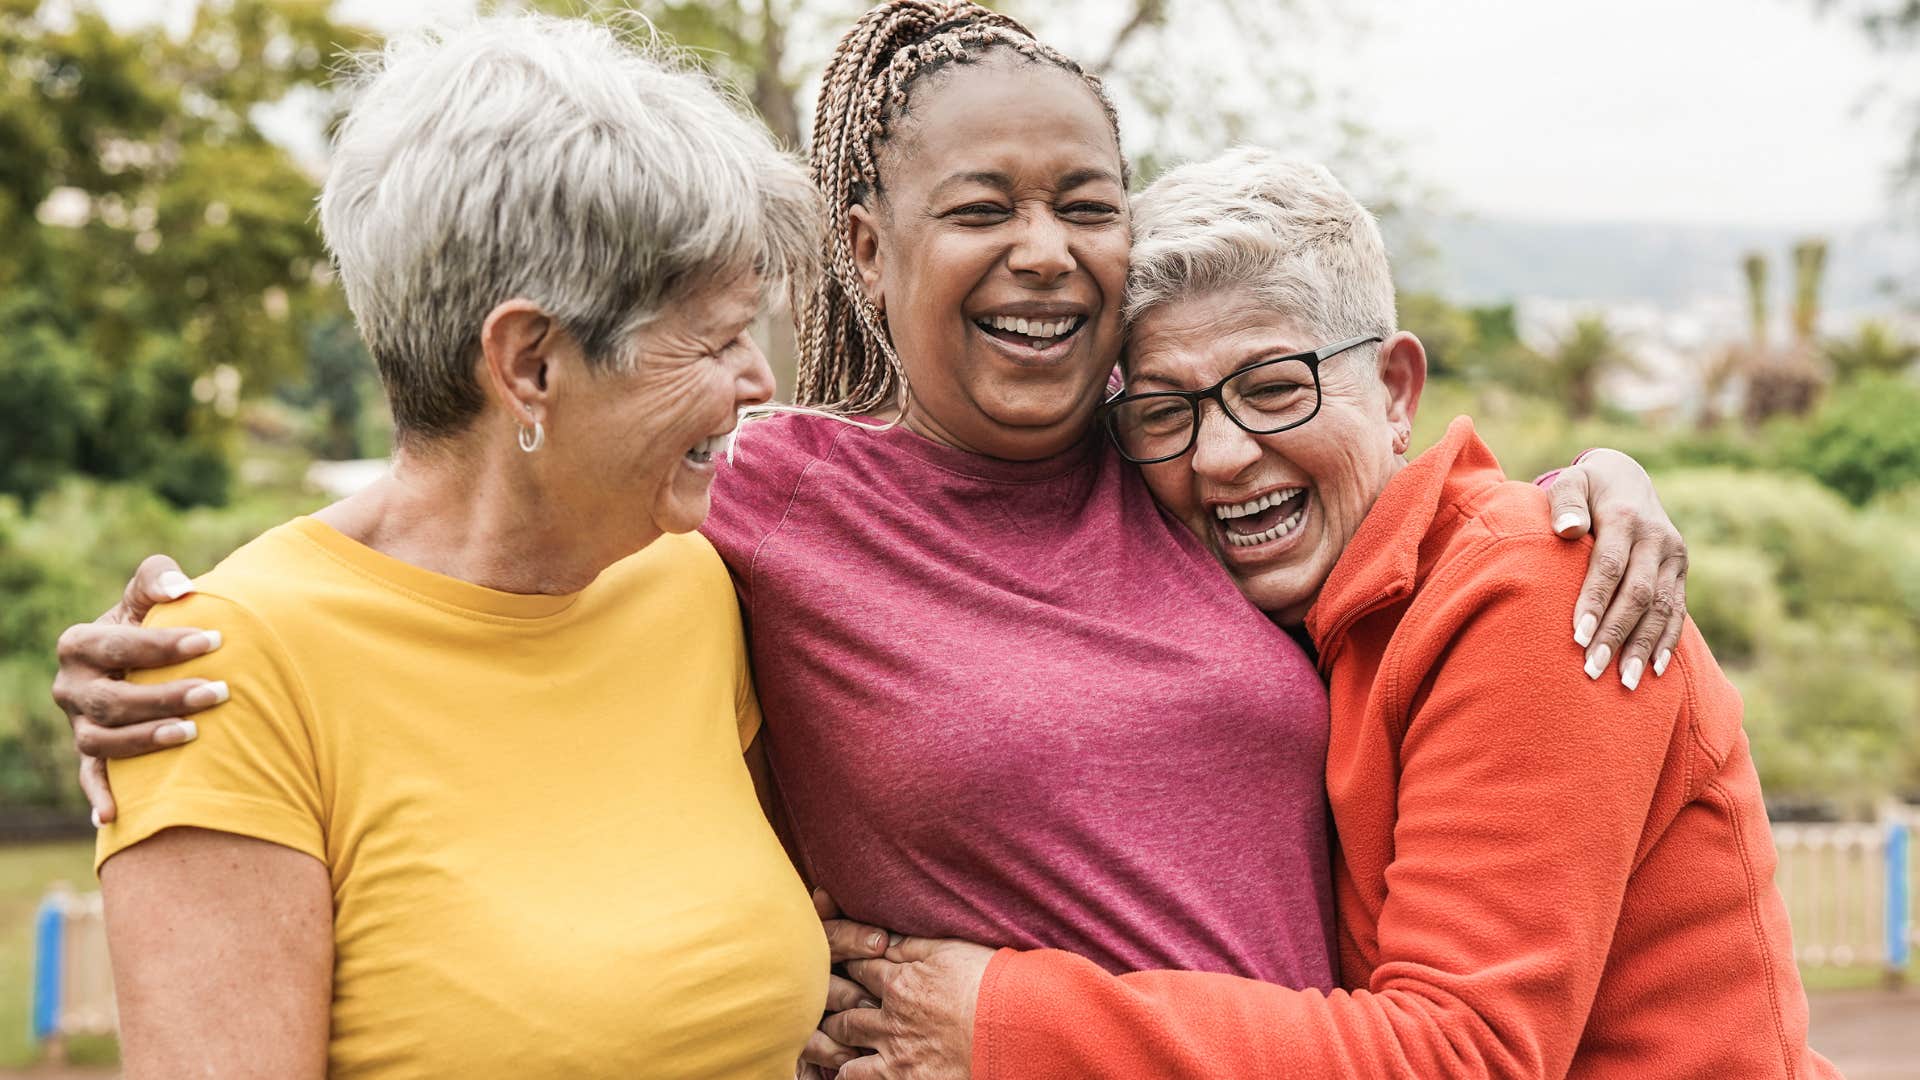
x: 1006, y: 444
x: 480, y: 513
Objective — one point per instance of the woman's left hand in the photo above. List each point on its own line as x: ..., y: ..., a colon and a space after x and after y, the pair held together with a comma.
x: 923, y: 1029
x: 1634, y: 601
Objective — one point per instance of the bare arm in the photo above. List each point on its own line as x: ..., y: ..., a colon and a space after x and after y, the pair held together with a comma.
x: 222, y: 956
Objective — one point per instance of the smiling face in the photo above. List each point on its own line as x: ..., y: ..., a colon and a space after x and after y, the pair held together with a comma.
x: 998, y: 254
x: 642, y: 442
x: 1277, y: 509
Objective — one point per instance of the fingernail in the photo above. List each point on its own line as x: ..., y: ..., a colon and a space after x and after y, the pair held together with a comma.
x: 1597, y: 661
x: 895, y: 939
x: 206, y: 694
x: 1583, y: 633
x: 180, y: 731
x: 1660, y: 662
x: 876, y: 940
x: 95, y: 814
x: 869, y: 1003
x: 174, y: 584
x: 1630, y: 673
x: 200, y: 642
x: 1565, y: 521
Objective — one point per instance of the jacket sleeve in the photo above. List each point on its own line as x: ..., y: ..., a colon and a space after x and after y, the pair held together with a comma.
x: 1524, y: 791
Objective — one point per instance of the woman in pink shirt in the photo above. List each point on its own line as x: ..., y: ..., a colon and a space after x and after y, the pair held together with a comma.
x: 991, y: 668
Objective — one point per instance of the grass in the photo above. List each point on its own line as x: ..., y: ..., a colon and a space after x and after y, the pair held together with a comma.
x: 25, y: 873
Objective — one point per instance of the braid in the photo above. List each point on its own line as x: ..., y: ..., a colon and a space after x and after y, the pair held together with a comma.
x: 847, y: 361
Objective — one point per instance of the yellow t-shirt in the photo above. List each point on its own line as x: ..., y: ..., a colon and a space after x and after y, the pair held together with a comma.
x: 546, y: 853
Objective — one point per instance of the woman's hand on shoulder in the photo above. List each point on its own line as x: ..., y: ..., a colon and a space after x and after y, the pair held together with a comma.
x: 1633, y: 603
x: 113, y: 718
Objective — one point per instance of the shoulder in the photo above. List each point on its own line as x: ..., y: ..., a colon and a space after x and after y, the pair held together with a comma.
x: 683, y: 564
x: 276, y: 576
x: 1501, y: 539
x: 778, y: 445
x: 755, y: 485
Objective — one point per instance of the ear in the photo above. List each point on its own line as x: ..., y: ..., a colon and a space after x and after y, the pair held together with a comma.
x: 1403, y: 372
x: 518, y: 342
x: 863, y: 239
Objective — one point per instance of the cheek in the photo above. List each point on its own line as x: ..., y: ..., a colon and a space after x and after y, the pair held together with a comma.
x: 1107, y: 261
x: 1171, y: 483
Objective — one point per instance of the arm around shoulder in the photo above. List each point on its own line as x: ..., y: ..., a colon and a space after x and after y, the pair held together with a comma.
x: 1523, y: 789
x: 219, y: 902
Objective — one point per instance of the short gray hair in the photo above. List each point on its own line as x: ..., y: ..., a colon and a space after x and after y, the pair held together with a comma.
x: 550, y: 160
x: 1285, y: 231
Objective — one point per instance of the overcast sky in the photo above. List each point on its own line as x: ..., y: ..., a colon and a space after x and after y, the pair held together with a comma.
x: 1686, y: 111
x: 1705, y: 111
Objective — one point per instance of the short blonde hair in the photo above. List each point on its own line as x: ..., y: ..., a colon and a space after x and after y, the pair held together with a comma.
x: 1285, y: 231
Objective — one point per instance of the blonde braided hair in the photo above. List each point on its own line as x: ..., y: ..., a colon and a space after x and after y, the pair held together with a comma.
x: 847, y: 361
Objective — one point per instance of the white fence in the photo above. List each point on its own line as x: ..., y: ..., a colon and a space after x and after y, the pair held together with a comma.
x: 1850, y: 891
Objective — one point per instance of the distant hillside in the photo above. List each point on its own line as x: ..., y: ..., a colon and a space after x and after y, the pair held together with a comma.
x: 1481, y: 260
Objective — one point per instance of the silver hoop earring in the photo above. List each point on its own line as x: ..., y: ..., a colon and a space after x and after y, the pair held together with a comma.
x: 534, y: 439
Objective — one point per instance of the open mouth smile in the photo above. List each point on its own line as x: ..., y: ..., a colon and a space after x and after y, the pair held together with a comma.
x: 703, y: 451
x: 1261, y: 520
x: 1030, y: 338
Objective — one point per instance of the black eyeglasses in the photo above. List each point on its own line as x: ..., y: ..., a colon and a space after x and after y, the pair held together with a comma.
x: 1261, y: 399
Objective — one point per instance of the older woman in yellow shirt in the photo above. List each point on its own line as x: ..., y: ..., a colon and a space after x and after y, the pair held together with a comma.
x: 478, y: 807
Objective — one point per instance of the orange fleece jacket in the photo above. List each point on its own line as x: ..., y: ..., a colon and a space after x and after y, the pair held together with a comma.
x: 1539, y: 875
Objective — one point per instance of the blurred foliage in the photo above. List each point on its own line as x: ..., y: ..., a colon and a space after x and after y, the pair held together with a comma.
x: 67, y: 560
x: 160, y: 261
x: 160, y: 275
x: 1865, y: 439
x: 1804, y: 538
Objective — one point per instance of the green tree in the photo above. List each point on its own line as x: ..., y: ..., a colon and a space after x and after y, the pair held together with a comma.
x: 162, y: 239
x: 1865, y: 438
x: 1876, y: 348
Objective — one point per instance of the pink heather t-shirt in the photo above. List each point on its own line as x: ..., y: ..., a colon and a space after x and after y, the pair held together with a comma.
x: 1011, y: 702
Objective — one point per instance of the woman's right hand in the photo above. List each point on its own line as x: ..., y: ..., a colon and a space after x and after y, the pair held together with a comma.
x: 113, y: 718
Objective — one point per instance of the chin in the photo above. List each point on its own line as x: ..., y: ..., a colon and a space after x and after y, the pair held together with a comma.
x: 1039, y: 407
x: 1280, y: 593
x: 682, y: 513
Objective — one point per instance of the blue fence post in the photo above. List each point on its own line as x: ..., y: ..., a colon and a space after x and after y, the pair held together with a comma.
x: 48, y: 928
x: 1899, y: 913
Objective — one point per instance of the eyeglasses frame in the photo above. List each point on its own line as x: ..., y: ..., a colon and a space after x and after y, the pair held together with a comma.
x: 1193, y: 398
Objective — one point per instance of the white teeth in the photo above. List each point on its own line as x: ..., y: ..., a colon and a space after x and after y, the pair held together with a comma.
x: 1264, y: 502
x: 711, y: 445
x: 1274, y: 533
x: 1039, y: 328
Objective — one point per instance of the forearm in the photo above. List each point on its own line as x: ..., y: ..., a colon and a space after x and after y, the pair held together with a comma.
x: 1516, y: 814
x: 1045, y: 1015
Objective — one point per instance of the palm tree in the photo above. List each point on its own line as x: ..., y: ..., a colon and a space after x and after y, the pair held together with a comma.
x: 1875, y: 348
x: 1582, y: 359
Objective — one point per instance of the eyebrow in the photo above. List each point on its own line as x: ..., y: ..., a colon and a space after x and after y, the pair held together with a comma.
x: 1259, y: 357
x: 1003, y: 183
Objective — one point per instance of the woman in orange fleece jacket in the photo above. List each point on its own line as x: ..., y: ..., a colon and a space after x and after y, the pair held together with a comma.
x: 1539, y: 874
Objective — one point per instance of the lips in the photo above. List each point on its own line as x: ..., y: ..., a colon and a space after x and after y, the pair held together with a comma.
x: 703, y: 451
x: 1264, y: 519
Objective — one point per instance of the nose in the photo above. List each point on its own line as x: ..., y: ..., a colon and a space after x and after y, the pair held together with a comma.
x: 1221, y: 451
x: 1041, y: 250
x: 753, y: 382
